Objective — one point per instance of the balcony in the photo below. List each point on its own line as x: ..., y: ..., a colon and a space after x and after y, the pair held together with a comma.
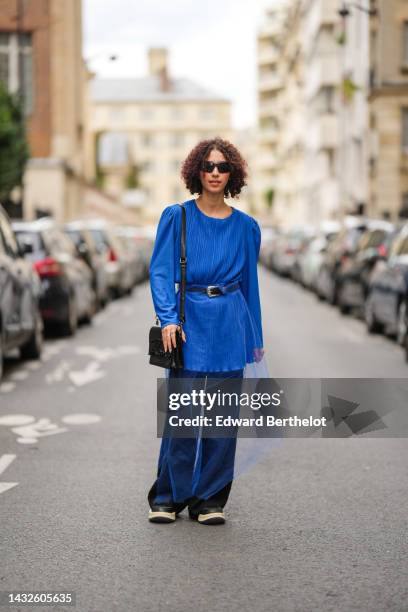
x: 268, y: 135
x: 323, y: 133
x: 266, y: 161
x: 268, y: 56
x: 269, y: 83
x: 324, y: 71
x: 267, y: 108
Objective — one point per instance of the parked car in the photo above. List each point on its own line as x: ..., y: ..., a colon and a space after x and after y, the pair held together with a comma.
x: 336, y: 256
x: 133, y: 250
x: 355, y: 273
x: 141, y: 243
x: 87, y: 250
x: 288, y: 248
x: 21, y: 324
x: 67, y: 295
x: 386, y: 303
x: 108, y: 244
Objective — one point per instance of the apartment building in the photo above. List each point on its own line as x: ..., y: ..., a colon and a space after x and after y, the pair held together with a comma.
x: 321, y: 55
x: 388, y: 108
x: 289, y: 207
x: 269, y: 87
x: 41, y: 56
x: 143, y: 128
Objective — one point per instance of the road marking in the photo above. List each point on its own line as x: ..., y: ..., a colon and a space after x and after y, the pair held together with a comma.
x: 33, y: 365
x: 12, y: 420
x: 58, y: 373
x: 5, y: 461
x: 6, y: 387
x: 81, y: 418
x: 19, y: 375
x: 89, y: 374
x: 29, y: 434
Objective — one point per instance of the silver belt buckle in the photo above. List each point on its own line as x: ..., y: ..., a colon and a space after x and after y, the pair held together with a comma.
x: 208, y: 290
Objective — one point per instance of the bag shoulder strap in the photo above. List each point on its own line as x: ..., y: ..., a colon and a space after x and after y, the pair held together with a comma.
x: 183, y: 264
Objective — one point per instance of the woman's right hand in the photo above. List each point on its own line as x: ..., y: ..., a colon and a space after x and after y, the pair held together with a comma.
x: 169, y: 336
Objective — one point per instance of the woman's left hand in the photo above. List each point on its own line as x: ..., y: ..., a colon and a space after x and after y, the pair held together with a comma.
x: 258, y: 354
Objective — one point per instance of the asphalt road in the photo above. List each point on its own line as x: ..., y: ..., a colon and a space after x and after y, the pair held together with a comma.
x: 317, y: 525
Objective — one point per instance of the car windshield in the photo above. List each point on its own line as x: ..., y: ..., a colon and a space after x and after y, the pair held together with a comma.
x: 33, y: 238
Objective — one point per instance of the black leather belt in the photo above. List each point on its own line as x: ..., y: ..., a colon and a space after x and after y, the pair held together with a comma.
x: 214, y: 290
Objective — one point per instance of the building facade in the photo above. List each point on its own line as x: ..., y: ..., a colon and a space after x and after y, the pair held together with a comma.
x: 269, y: 86
x: 143, y: 128
x: 41, y: 56
x: 388, y: 103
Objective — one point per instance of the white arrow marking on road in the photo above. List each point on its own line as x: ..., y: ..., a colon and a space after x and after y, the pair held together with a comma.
x: 58, y: 374
x: 29, y: 434
x: 5, y: 461
x: 90, y: 374
x: 81, y: 418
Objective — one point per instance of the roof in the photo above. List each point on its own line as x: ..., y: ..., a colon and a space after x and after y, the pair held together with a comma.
x: 148, y: 89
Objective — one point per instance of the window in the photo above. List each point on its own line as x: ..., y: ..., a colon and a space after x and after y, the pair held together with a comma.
x: 207, y: 113
x: 16, y: 66
x: 146, y: 139
x: 175, y: 164
x: 176, y: 139
x: 177, y: 193
x: 116, y: 115
x: 146, y: 114
x: 405, y: 129
x: 405, y: 44
x: 177, y: 113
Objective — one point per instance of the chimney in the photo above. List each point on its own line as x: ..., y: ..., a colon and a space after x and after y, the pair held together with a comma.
x: 158, y: 66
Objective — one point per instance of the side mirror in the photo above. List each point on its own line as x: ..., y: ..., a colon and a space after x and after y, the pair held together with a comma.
x: 83, y: 249
x: 25, y: 247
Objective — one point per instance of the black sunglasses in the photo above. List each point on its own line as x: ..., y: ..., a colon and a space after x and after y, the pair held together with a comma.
x: 222, y: 167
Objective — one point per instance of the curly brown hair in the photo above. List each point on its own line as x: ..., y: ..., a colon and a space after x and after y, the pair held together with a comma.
x: 190, y: 171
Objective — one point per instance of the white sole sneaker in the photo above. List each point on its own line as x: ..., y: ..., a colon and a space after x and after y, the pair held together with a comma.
x: 156, y: 516
x: 211, y: 518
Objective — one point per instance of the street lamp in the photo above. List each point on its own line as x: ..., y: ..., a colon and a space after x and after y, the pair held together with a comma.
x: 111, y: 58
x: 344, y: 11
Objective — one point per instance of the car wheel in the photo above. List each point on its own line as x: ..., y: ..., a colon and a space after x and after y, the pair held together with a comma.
x: 93, y: 309
x: 32, y: 349
x: 344, y: 308
x: 373, y: 326
x: 1, y: 353
x: 333, y: 293
x: 70, y: 325
x: 401, y: 323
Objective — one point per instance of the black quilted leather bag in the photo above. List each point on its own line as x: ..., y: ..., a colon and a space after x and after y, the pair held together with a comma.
x: 173, y: 358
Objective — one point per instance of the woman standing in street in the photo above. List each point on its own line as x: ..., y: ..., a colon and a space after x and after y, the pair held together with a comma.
x: 222, y: 333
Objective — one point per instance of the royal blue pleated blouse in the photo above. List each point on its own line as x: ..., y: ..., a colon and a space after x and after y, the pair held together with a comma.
x: 221, y: 332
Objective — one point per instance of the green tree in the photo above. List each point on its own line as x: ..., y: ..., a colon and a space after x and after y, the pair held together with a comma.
x: 269, y: 197
x: 14, y: 151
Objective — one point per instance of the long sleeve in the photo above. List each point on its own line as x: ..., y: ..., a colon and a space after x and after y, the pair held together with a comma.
x: 162, y: 276
x: 249, y: 281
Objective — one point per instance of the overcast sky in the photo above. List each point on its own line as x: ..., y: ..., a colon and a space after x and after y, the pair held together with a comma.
x: 212, y: 42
